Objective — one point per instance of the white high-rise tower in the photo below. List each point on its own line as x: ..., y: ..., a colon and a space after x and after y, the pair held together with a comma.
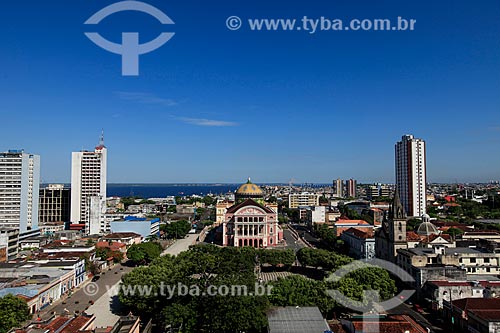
x: 19, y: 187
x: 411, y: 174
x: 88, y: 185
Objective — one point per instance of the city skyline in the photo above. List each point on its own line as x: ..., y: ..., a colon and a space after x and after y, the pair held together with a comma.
x: 195, y: 92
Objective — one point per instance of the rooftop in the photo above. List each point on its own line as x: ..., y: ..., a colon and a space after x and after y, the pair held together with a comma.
x: 388, y: 324
x: 118, y: 235
x: 247, y: 202
x: 292, y: 319
x: 360, y: 233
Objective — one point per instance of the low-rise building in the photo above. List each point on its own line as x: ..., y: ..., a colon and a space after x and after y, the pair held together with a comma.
x: 478, y: 235
x: 316, y: 214
x: 332, y: 215
x: 220, y: 210
x: 127, y: 238
x: 42, y: 282
x: 475, y: 315
x: 440, y: 290
x: 33, y: 243
x: 382, y: 323
x: 142, y: 226
x: 61, y: 324
x: 294, y: 319
x: 343, y: 225
x: 185, y: 209
x: 112, y: 246
x: 9, y: 238
x: 361, y: 243
x: 473, y: 260
x: 50, y: 228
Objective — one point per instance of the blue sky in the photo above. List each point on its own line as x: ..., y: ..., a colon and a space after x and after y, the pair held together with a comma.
x: 214, y: 105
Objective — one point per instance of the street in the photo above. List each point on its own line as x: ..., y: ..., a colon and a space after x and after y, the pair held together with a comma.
x: 107, y: 304
x: 306, y: 234
x: 291, y: 241
x: 181, y: 245
x: 79, y: 301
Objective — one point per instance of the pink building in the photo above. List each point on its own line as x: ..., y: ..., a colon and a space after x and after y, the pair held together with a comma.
x: 250, y: 223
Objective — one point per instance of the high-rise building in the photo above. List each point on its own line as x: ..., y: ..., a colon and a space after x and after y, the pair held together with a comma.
x: 351, y: 188
x: 88, y: 179
x: 378, y: 190
x: 19, y: 186
x: 54, y: 204
x: 338, y: 186
x: 411, y: 174
x: 296, y: 200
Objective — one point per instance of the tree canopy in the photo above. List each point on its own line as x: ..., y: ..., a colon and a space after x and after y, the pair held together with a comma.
x: 205, y: 266
x: 177, y: 229
x: 198, y: 268
x: 322, y: 258
x: 13, y: 312
x: 144, y: 253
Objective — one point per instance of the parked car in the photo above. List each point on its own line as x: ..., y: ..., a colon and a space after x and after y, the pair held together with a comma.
x: 95, y: 278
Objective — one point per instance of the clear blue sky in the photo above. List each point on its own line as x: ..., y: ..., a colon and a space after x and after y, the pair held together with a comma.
x: 214, y: 105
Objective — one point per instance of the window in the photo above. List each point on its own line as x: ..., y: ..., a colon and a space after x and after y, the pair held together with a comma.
x: 472, y: 260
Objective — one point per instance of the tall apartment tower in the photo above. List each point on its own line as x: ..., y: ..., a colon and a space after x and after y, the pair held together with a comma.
x: 351, y: 188
x: 338, y: 185
x: 411, y: 174
x: 88, y: 182
x: 19, y: 187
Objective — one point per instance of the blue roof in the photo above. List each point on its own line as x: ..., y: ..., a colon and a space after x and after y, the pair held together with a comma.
x: 140, y: 219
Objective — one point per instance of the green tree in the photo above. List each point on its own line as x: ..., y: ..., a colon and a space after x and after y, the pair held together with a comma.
x: 13, y: 311
x: 199, y: 267
x: 365, y: 278
x: 144, y: 253
x: 412, y: 223
x: 297, y: 290
x: 177, y: 229
x: 454, y: 232
x: 276, y: 257
x: 317, y: 258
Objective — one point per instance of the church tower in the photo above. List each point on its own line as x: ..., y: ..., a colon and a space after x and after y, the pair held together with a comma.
x: 397, y: 221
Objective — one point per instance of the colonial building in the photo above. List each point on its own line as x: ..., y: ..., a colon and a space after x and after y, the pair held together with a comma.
x: 250, y: 221
x: 361, y: 243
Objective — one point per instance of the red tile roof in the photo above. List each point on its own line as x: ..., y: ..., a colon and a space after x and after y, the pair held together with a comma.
x: 412, y: 236
x: 360, y: 233
x: 118, y: 235
x: 444, y: 283
x: 114, y: 246
x: 68, y: 324
x: 354, y: 222
x: 391, y: 324
x: 488, y: 315
x: 477, y: 303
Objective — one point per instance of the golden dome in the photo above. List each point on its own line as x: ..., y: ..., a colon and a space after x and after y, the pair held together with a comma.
x: 249, y: 189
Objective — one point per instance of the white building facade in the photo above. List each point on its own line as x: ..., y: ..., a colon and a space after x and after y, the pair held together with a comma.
x: 295, y: 200
x: 411, y: 174
x: 19, y: 190
x: 88, y: 180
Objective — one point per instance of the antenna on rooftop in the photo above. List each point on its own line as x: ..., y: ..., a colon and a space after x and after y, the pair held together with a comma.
x: 101, y: 138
